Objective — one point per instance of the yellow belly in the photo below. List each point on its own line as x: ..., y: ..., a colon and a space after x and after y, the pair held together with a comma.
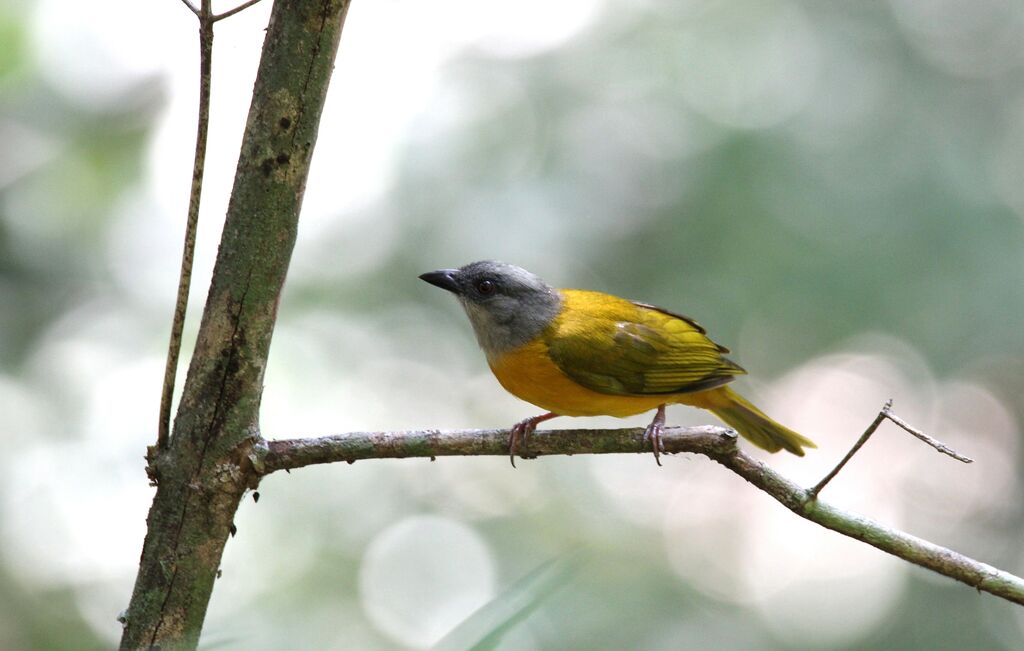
x: 529, y: 374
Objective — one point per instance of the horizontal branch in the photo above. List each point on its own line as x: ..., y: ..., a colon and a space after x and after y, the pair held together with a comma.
x: 716, y: 443
x: 288, y: 454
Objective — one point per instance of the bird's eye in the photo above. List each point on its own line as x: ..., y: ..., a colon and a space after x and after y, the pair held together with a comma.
x: 486, y: 287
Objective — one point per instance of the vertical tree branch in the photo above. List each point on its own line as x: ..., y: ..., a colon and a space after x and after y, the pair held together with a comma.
x: 204, y: 471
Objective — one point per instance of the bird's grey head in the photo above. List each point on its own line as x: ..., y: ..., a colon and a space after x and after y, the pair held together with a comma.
x: 507, y: 305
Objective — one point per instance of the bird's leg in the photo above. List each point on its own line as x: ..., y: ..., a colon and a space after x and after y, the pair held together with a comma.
x: 521, y: 433
x: 653, y: 433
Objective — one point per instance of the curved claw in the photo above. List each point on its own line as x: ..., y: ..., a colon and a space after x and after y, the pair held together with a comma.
x: 515, y: 436
x: 653, y: 434
x: 520, y: 433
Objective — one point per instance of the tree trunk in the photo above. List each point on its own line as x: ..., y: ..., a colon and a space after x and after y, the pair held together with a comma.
x: 205, y: 470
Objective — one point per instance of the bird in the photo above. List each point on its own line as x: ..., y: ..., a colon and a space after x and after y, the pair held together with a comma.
x: 576, y: 352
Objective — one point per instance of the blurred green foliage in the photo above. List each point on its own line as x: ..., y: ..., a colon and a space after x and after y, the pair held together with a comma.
x: 794, y: 175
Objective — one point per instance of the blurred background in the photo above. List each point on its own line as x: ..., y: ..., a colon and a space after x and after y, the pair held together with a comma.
x: 835, y: 190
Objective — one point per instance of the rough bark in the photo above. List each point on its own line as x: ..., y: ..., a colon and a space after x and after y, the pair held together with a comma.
x: 204, y: 472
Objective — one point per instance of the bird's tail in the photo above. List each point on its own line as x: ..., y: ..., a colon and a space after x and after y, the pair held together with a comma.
x: 754, y: 425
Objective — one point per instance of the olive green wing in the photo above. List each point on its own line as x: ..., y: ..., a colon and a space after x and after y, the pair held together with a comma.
x: 639, y: 349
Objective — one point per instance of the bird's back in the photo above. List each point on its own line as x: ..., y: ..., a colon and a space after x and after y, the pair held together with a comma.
x: 613, y: 345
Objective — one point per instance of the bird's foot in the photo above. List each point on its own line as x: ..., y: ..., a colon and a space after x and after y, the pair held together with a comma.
x: 653, y: 434
x: 520, y: 434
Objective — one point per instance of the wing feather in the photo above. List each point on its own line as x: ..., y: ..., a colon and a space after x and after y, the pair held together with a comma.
x: 614, y: 346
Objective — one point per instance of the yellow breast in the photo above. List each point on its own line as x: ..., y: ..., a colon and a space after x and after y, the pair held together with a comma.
x: 528, y: 372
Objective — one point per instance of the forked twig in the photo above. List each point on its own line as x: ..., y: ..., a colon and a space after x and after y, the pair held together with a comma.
x: 885, y: 413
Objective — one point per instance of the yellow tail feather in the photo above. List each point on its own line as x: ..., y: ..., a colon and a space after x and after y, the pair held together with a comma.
x: 755, y: 426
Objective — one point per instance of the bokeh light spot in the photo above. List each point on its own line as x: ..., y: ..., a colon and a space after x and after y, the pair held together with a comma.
x: 424, y: 575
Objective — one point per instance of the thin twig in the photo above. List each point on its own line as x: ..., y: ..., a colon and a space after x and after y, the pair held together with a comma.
x: 813, y: 492
x: 194, y: 9
x: 885, y: 413
x: 938, y: 445
x: 191, y: 223
x: 231, y: 12
x: 715, y: 443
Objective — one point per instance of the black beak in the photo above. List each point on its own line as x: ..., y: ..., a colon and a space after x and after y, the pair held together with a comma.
x: 443, y: 278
